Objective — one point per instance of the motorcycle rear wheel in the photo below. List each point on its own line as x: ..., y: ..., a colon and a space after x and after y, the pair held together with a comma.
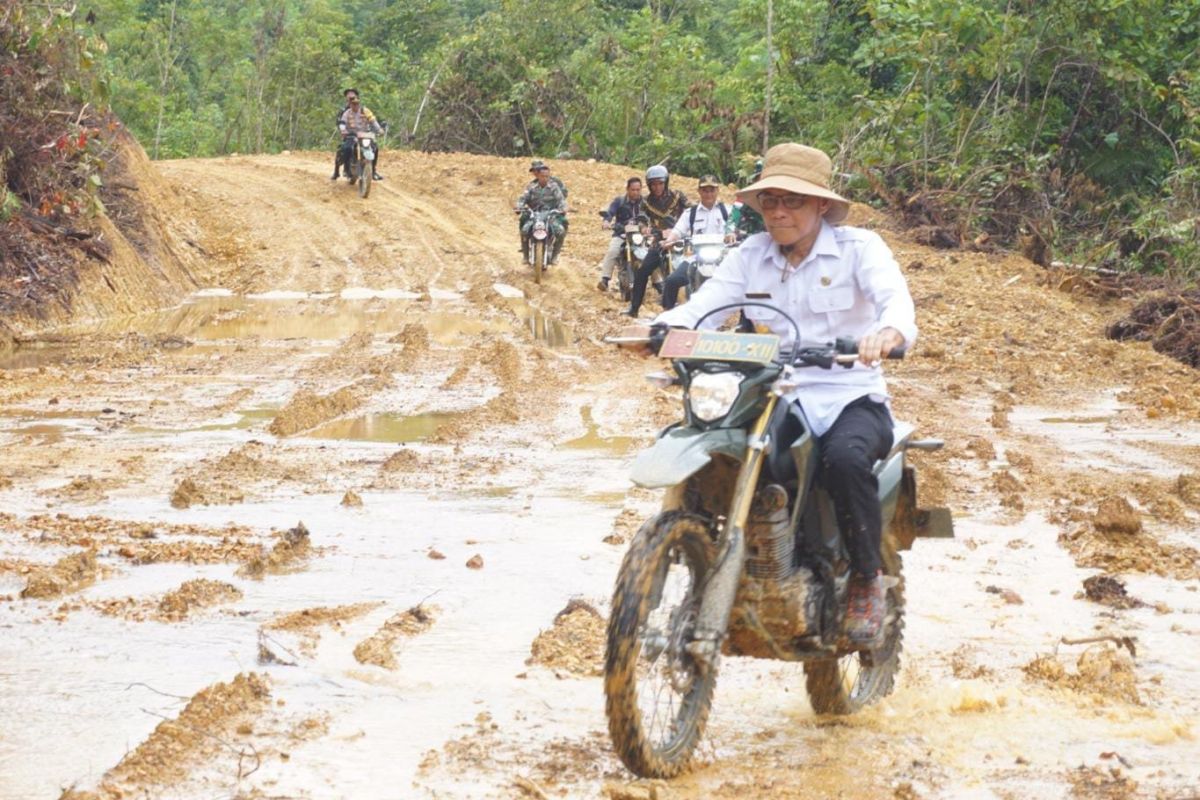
x: 658, y: 696
x: 539, y: 259
x: 847, y: 684
x: 625, y: 280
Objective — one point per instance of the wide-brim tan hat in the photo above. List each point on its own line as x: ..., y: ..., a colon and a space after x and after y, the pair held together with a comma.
x: 800, y: 169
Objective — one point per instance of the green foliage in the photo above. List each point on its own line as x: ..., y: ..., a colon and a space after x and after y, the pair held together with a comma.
x: 1074, y: 120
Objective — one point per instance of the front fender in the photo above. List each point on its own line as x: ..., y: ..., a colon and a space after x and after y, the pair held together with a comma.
x: 682, y: 452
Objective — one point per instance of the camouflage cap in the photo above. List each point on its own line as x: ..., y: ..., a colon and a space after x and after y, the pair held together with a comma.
x: 537, y: 164
x: 710, y: 180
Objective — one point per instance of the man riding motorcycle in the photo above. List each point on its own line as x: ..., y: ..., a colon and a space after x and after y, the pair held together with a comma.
x: 622, y: 209
x: 709, y: 216
x: 743, y: 220
x: 664, y: 207
x: 542, y: 194
x: 832, y: 281
x: 354, y: 119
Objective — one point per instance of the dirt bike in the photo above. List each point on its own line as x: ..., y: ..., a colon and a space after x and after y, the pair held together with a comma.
x: 737, y: 565
x: 360, y: 168
x: 637, y: 246
x: 540, y: 239
x: 705, y: 251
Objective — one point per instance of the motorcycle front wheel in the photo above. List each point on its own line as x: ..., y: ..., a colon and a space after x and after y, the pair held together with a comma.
x: 625, y: 280
x: 845, y: 685
x: 539, y: 259
x: 658, y: 696
x: 365, y: 174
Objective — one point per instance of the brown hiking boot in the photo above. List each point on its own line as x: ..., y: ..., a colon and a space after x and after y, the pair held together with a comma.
x: 865, y: 609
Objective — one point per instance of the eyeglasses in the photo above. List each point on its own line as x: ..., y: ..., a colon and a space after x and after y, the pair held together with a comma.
x: 352, y: 99
x: 770, y: 202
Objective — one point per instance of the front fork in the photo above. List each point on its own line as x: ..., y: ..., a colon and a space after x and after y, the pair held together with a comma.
x: 721, y: 588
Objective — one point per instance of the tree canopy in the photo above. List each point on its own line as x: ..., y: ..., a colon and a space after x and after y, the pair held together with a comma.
x: 1070, y: 121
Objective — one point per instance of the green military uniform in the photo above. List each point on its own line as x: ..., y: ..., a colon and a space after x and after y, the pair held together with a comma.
x: 745, y: 219
x: 541, y: 198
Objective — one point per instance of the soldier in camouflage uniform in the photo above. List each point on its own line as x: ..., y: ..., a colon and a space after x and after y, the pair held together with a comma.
x: 542, y: 193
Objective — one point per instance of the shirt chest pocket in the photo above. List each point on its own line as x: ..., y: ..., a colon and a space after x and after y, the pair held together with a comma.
x: 832, y: 298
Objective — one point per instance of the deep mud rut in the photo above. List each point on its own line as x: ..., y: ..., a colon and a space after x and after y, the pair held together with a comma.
x: 309, y: 535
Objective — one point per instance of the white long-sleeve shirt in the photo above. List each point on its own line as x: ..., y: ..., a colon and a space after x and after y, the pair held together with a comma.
x: 848, y: 285
x: 708, y: 220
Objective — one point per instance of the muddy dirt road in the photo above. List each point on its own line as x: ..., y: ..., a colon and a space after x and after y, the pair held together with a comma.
x: 309, y: 534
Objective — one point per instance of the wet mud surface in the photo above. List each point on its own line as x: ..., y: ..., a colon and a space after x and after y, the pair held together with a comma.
x: 346, y: 525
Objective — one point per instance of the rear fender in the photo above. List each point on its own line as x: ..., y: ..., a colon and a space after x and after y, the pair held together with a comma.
x: 682, y: 452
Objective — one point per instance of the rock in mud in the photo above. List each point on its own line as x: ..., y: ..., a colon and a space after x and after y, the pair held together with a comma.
x: 67, y: 575
x: 574, y: 645
x: 351, y: 499
x: 1116, y: 515
x: 1109, y: 591
x: 435, y: 554
x: 475, y: 562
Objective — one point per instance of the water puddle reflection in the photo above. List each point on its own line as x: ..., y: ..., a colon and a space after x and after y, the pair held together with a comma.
x: 592, y: 439
x: 385, y: 427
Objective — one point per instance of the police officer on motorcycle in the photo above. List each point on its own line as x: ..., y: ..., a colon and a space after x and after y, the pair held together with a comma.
x: 353, y: 119
x: 832, y: 281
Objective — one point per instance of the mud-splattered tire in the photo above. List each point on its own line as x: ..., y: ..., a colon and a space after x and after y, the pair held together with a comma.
x: 668, y: 539
x: 364, y: 178
x: 847, y: 684
x: 624, y: 281
x: 539, y: 260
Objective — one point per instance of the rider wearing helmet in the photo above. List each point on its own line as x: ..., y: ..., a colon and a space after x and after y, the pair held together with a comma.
x: 664, y: 208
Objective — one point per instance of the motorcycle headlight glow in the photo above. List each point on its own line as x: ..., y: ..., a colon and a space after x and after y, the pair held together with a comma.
x: 637, y: 238
x: 710, y: 253
x: 711, y: 395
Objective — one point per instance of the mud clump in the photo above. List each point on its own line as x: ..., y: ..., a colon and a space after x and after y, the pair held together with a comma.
x: 1187, y: 486
x: 307, y: 622
x: 1096, y: 783
x: 475, y: 562
x: 1104, y: 673
x: 196, y: 594
x: 351, y: 499
x: 1116, y: 515
x: 574, y: 645
x: 307, y: 410
x: 403, y: 460
x: 1108, y: 591
x: 66, y: 576
x: 415, y: 338
x: 201, y: 732
x: 379, y: 648
x: 1010, y: 489
x: 187, y: 493
x: 294, y: 545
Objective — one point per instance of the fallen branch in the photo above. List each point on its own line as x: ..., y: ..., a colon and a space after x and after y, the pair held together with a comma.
x: 1121, y: 641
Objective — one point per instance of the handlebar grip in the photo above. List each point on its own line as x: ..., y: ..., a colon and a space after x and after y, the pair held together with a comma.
x: 897, y: 353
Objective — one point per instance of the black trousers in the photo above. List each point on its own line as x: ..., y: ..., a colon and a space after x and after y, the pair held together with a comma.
x: 641, y: 277
x: 677, y: 280
x: 345, y: 152
x: 861, y: 435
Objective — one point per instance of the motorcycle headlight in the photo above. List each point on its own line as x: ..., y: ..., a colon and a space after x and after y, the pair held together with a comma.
x: 637, y: 238
x: 710, y: 253
x: 711, y: 395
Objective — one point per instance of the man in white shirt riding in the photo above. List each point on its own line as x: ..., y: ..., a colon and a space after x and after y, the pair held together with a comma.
x: 709, y: 216
x: 833, y: 281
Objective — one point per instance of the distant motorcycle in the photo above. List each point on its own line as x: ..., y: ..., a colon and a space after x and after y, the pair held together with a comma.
x: 360, y: 168
x: 540, y: 240
x: 706, y: 251
x: 635, y: 236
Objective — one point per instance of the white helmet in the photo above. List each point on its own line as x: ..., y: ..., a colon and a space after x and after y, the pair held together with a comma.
x: 657, y: 173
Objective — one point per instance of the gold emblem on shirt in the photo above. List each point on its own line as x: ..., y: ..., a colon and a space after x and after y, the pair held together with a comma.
x: 826, y: 280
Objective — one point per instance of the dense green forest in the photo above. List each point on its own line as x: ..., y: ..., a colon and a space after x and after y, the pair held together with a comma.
x: 1072, y: 122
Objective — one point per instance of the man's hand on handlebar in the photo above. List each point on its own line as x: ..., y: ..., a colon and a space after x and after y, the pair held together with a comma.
x: 874, y: 347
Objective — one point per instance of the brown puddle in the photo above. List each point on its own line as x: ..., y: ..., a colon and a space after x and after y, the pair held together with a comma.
x: 592, y: 439
x: 384, y: 427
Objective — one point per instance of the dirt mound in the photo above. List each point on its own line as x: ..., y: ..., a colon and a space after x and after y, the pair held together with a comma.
x: 67, y: 575
x: 212, y: 719
x: 1116, y: 515
x: 1170, y: 321
x: 307, y: 409
x: 1109, y: 591
x: 293, y: 546
x: 196, y: 594
x: 574, y: 645
x: 379, y: 649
